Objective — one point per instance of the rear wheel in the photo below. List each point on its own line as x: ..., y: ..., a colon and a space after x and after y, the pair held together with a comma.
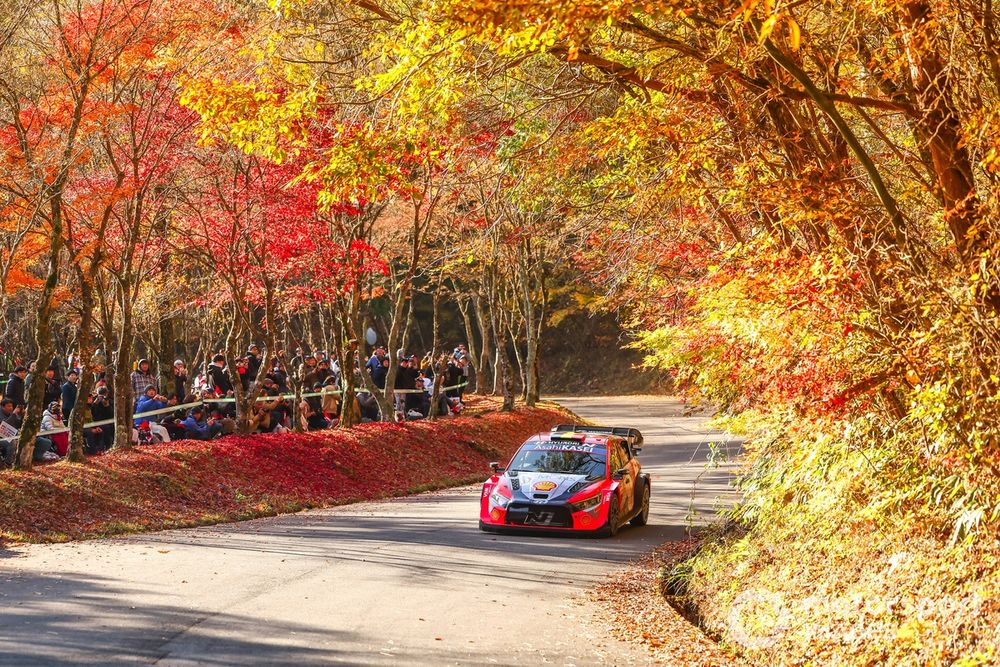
x: 642, y: 518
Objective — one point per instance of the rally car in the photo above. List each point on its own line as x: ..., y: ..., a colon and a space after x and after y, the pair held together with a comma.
x: 583, y: 479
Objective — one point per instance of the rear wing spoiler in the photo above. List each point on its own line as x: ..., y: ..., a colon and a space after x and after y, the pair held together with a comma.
x: 632, y: 435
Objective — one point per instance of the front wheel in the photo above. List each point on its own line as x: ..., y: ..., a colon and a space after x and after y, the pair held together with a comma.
x: 611, y: 527
x: 642, y: 518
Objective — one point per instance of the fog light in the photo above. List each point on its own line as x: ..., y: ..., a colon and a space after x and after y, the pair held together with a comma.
x: 495, y: 515
x: 585, y: 519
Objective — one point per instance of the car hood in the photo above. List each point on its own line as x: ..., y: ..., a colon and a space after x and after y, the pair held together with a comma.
x: 553, y: 486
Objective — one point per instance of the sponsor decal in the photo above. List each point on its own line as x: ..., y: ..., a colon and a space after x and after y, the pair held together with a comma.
x: 545, y: 486
x: 565, y: 447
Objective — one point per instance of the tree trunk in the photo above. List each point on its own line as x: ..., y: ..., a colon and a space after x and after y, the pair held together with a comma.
x: 487, y: 367
x: 77, y: 417
x: 25, y: 453
x: 503, y: 359
x: 435, y: 346
x: 470, y: 337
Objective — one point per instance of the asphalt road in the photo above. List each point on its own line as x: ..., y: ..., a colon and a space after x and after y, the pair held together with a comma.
x: 407, y: 581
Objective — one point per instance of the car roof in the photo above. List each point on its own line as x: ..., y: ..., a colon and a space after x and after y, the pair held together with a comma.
x: 571, y: 438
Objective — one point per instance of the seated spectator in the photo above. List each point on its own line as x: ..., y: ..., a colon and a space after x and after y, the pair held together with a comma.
x: 150, y: 402
x: 12, y: 417
x: 367, y: 407
x: 172, y: 420
x: 197, y: 428
x: 52, y: 420
x: 417, y: 403
x: 331, y: 398
x: 311, y: 412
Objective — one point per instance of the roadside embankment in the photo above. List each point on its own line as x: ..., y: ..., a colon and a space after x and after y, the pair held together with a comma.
x: 189, y: 483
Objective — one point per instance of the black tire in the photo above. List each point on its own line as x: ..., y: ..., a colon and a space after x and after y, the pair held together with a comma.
x: 486, y: 529
x: 642, y: 518
x: 611, y: 527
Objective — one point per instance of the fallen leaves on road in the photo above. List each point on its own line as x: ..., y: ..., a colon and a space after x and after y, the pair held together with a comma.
x: 638, y: 613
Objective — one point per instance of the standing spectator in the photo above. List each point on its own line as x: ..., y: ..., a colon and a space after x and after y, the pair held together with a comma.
x: 218, y: 377
x: 404, y: 380
x: 31, y: 372
x: 375, y: 361
x: 278, y: 377
x: 241, y: 372
x: 323, y: 371
x: 380, y: 372
x: 69, y: 391
x: 101, y: 409
x: 15, y: 386
x: 253, y: 362
x: 94, y: 436
x: 180, y: 378
x: 141, y: 378
x: 307, y: 373
x: 53, y: 392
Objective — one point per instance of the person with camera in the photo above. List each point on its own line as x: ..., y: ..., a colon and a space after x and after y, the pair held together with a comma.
x: 198, y: 428
x: 151, y: 401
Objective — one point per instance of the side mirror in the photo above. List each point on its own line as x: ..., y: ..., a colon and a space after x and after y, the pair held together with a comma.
x: 495, y: 467
x: 619, y: 474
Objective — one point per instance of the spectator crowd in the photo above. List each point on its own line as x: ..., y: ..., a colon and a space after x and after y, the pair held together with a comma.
x: 178, y: 404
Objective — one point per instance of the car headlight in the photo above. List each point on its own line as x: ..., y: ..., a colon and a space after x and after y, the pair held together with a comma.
x: 587, y: 504
x: 498, y: 499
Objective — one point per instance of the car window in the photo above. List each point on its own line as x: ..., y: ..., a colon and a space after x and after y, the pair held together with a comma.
x: 589, y: 461
x: 616, y: 457
x: 626, y: 453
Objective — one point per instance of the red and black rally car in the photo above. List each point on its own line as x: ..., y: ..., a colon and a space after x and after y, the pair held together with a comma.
x: 584, y: 479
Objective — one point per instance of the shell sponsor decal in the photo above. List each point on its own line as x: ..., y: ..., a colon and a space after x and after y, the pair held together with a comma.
x: 545, y: 486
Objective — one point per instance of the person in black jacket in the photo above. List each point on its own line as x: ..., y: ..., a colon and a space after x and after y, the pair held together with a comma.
x: 218, y: 377
x: 180, y: 379
x: 15, y: 386
x: 253, y: 363
x: 69, y: 391
x: 53, y: 392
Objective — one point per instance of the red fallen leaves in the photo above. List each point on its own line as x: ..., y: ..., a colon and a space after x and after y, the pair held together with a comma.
x: 190, y: 483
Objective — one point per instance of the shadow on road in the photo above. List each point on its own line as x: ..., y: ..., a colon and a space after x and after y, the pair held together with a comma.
x: 54, y: 626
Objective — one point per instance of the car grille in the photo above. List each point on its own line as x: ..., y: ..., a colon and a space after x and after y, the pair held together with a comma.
x: 549, y: 516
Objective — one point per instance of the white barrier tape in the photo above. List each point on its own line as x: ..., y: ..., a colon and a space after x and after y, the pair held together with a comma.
x: 138, y: 415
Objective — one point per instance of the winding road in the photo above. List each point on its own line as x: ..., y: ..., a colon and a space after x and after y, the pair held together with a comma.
x: 407, y: 581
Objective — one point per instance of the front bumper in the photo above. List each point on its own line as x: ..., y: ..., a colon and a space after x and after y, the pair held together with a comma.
x: 547, y: 517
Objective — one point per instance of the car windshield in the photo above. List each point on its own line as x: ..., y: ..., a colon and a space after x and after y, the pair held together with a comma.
x: 578, y: 460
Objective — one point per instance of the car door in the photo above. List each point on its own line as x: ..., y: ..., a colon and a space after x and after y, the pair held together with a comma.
x: 626, y: 486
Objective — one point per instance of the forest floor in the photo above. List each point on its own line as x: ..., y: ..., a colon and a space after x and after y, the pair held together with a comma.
x: 191, y: 483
